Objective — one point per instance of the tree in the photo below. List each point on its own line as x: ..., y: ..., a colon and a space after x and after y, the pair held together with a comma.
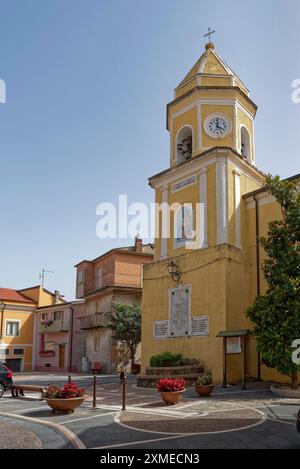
x: 276, y: 314
x: 125, y: 322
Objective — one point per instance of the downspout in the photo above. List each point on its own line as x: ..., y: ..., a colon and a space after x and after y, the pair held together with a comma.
x: 2, y: 320
x: 257, y: 272
x: 71, y: 338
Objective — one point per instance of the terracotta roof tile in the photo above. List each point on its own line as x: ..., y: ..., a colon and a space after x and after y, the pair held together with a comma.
x: 13, y: 295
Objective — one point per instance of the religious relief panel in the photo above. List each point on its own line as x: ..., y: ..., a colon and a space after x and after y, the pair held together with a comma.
x: 180, y: 311
x: 184, y: 224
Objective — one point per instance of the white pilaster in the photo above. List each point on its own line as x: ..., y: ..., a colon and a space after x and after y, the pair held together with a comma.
x: 164, y: 224
x: 237, y: 207
x: 199, y: 126
x: 203, y: 241
x: 222, y: 200
x: 171, y: 143
x: 235, y: 127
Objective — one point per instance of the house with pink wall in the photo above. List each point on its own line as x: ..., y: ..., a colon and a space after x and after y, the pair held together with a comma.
x: 57, y: 337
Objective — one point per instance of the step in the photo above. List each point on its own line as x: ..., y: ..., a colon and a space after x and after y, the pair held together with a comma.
x: 174, y: 370
x: 150, y: 381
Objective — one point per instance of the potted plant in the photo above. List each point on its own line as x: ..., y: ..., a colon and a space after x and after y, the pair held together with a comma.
x: 204, y: 385
x: 171, y: 390
x: 66, y: 399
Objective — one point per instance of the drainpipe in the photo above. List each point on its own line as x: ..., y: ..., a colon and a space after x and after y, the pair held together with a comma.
x: 2, y: 319
x: 71, y: 338
x: 257, y: 273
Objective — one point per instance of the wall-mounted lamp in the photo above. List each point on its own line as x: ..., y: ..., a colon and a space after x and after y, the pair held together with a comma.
x: 173, y: 270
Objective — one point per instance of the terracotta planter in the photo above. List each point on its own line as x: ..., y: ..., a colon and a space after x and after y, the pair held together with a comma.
x: 204, y: 389
x: 64, y: 405
x: 171, y: 398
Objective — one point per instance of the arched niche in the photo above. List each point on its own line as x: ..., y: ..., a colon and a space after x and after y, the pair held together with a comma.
x: 183, y: 224
x: 184, y: 144
x: 245, y: 143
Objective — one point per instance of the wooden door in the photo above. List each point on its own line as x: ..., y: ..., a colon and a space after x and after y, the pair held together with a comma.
x: 62, y: 356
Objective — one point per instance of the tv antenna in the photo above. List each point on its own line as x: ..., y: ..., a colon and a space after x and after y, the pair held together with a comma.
x: 42, y: 275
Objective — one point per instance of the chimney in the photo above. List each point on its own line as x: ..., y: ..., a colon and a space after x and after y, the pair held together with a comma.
x: 138, y: 244
x: 56, y: 297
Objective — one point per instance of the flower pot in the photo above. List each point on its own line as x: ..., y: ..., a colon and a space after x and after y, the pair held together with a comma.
x: 64, y: 405
x: 204, y: 389
x: 171, y: 398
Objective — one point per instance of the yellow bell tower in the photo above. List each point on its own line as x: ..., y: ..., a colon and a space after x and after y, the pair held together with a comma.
x: 212, y: 108
x: 200, y: 281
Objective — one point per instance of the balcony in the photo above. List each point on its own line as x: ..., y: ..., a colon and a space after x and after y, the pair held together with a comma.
x: 90, y: 286
x: 57, y: 325
x: 93, y: 321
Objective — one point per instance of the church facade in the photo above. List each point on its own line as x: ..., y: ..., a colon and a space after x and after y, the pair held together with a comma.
x: 212, y: 206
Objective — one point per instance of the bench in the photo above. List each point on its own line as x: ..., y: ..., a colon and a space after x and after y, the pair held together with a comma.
x: 20, y: 388
x: 96, y: 367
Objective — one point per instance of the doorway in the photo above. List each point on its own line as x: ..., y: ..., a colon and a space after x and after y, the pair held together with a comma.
x: 14, y: 364
x: 62, y: 349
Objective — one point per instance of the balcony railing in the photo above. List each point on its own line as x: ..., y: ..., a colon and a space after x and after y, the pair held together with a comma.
x: 57, y: 325
x: 94, y: 320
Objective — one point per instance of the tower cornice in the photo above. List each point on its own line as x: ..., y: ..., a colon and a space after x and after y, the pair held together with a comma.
x: 203, y: 160
x: 210, y: 89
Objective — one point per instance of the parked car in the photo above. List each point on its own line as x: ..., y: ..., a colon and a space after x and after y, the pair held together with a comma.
x: 298, y: 422
x: 5, y: 378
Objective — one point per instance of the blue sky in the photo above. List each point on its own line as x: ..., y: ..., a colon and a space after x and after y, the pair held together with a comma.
x: 87, y: 85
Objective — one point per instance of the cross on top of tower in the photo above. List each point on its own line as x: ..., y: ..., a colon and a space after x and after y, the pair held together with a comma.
x: 210, y: 32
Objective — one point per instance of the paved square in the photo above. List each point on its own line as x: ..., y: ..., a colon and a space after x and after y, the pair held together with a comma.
x: 229, y: 418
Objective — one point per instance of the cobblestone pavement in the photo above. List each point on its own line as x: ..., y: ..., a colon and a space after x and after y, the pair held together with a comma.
x: 15, y: 437
x: 230, y: 418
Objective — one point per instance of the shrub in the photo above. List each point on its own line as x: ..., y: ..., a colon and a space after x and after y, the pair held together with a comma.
x: 68, y: 391
x: 165, y: 359
x: 170, y: 385
x: 204, y: 380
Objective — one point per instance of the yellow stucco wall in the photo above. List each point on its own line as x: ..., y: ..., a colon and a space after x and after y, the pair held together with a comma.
x: 198, y: 269
x: 24, y: 314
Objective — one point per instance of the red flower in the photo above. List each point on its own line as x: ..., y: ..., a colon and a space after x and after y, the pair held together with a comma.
x: 69, y: 390
x: 170, y: 385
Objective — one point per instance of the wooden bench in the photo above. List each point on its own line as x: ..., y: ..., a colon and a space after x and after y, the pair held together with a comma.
x: 96, y: 367
x: 20, y: 388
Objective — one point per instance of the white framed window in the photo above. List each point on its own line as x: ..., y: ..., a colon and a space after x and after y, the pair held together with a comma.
x: 18, y: 351
x: 80, y: 277
x: 57, y: 315
x: 44, y: 316
x: 99, y: 273
x: 49, y: 346
x: 12, y: 328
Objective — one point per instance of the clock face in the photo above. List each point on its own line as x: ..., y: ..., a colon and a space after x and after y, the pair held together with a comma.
x: 217, y: 126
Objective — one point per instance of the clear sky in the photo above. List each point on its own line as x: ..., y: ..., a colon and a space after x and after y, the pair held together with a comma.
x: 87, y: 85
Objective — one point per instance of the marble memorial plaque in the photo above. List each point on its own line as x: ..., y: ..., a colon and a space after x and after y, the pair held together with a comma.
x: 200, y: 326
x: 179, y: 311
x: 160, y: 329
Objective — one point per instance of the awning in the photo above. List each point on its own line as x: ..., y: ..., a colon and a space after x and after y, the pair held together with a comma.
x: 239, y: 333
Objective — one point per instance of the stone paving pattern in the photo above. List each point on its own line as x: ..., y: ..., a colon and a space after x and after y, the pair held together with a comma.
x: 16, y: 437
x: 101, y: 427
